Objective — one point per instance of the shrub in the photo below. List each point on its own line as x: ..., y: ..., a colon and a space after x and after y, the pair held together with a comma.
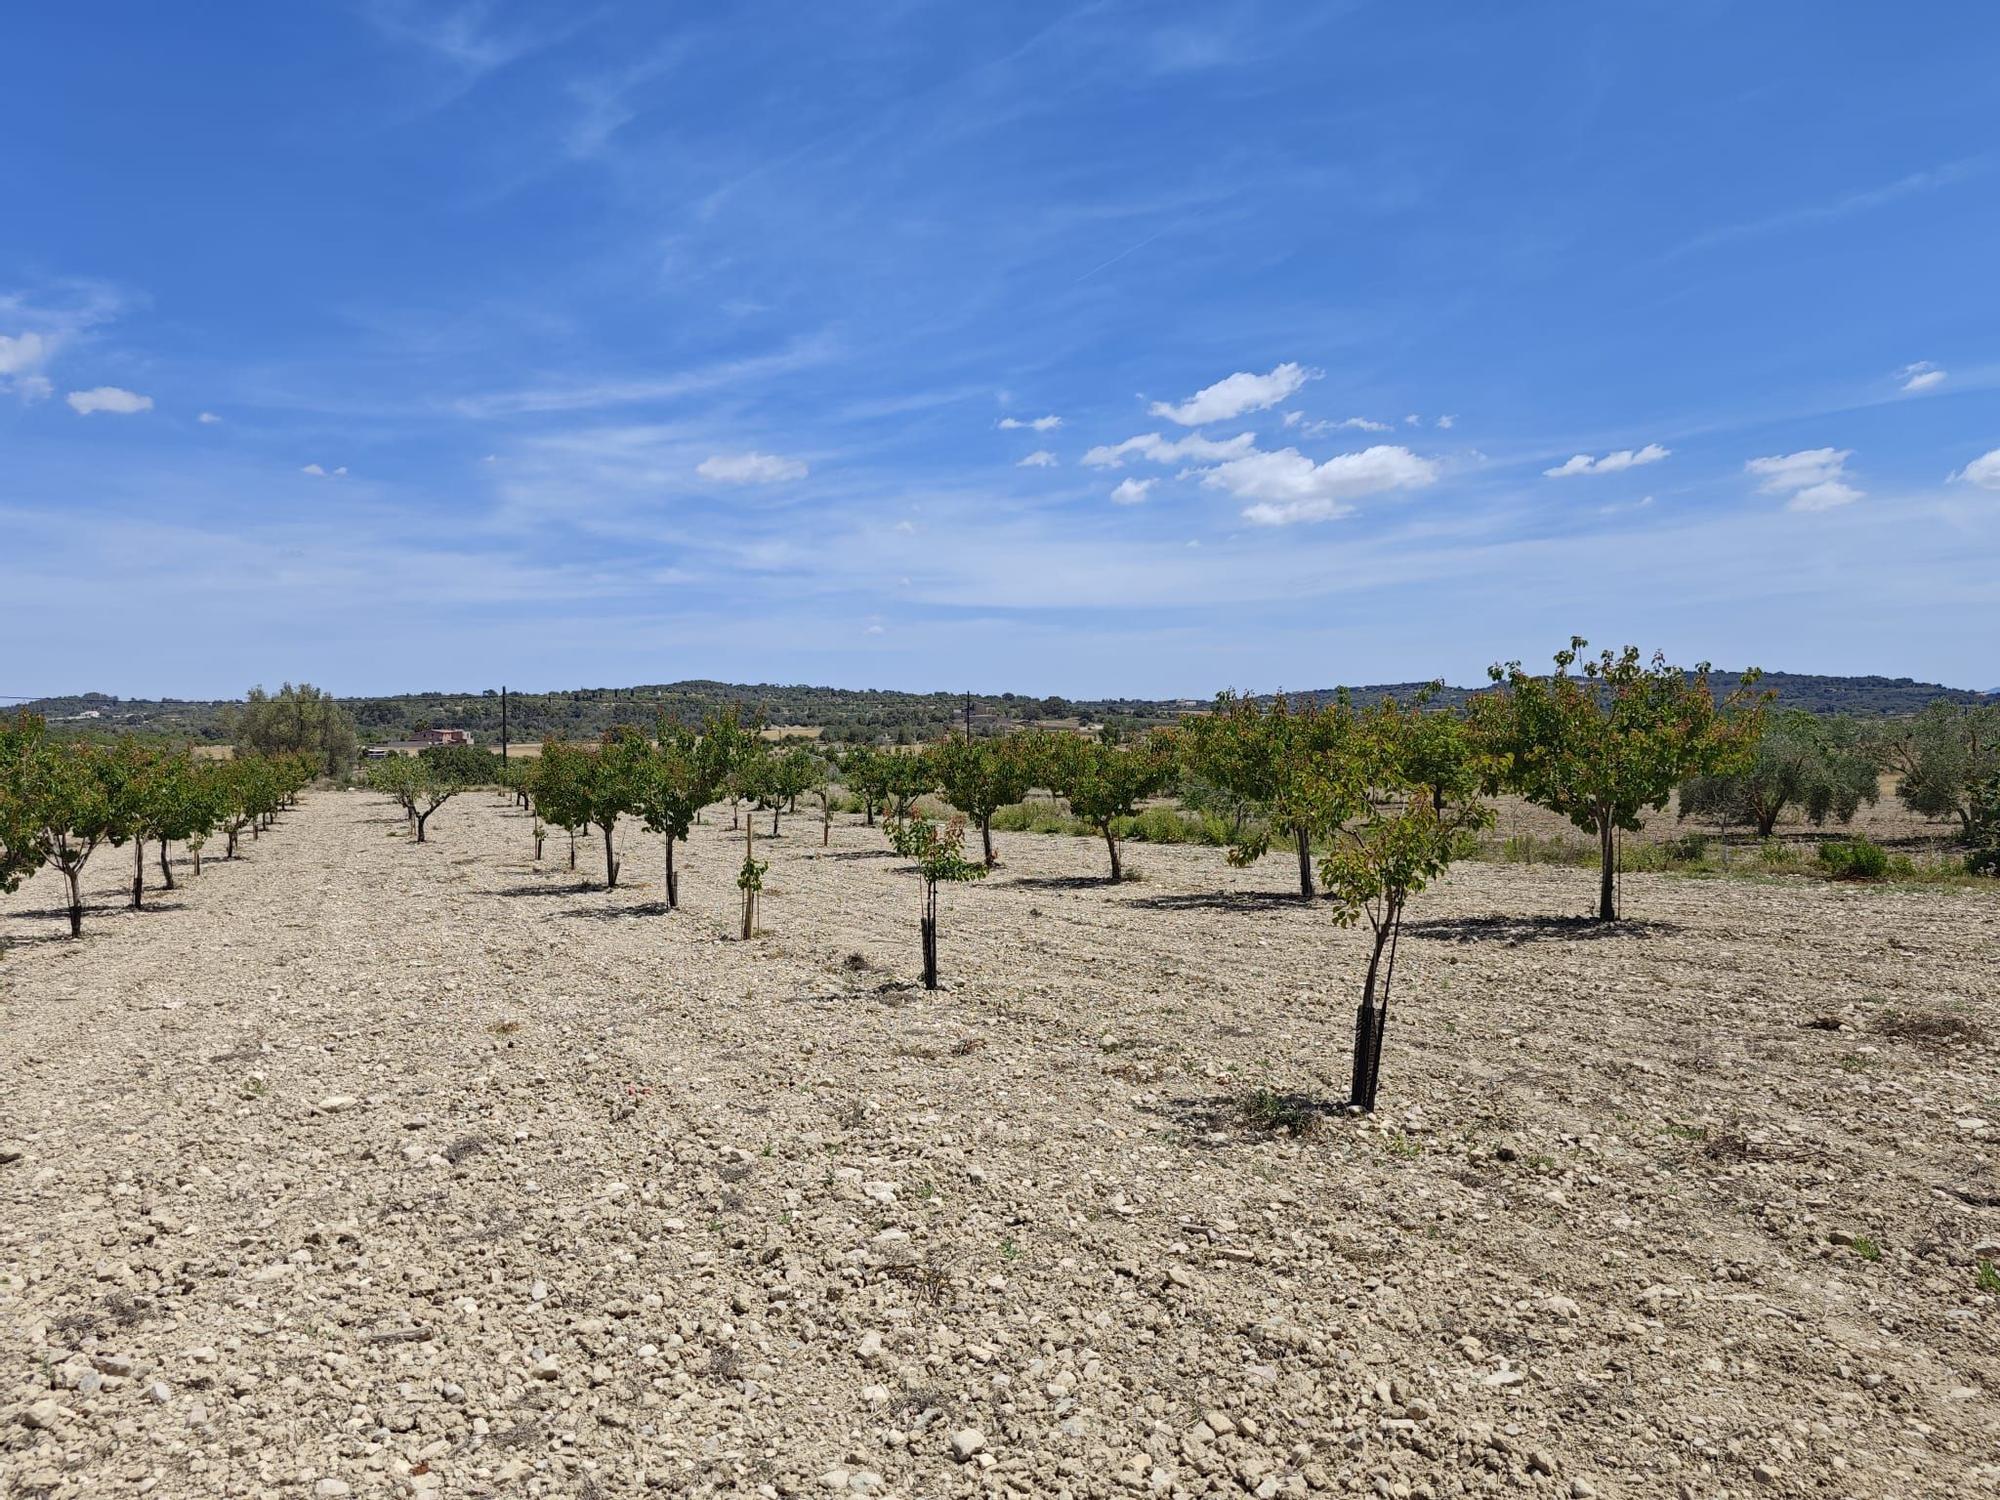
x: 1853, y: 859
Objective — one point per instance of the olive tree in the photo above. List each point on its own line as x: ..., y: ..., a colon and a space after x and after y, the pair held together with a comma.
x: 557, y: 791
x: 1824, y: 767
x: 1603, y: 745
x: 1942, y: 758
x: 939, y: 853
x: 301, y: 719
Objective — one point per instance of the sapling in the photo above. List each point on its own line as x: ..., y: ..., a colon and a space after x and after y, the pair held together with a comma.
x: 939, y: 853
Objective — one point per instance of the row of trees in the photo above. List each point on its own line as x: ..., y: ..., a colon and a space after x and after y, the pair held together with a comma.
x: 61, y: 801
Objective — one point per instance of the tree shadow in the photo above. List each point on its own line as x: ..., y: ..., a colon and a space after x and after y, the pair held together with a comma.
x: 618, y: 913
x: 567, y: 888
x: 1064, y: 882
x: 1223, y: 901
x: 1515, y: 931
x: 862, y: 854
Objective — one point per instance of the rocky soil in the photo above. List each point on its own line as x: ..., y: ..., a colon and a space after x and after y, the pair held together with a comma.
x: 359, y: 1167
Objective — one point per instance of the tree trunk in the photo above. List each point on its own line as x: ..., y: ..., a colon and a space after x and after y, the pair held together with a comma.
x: 673, y: 880
x: 986, y: 839
x: 1607, y: 904
x: 138, y: 873
x: 230, y: 853
x: 166, y: 865
x: 572, y: 848
x: 1766, y: 821
x: 195, y: 850
x: 1111, y: 843
x: 1304, y: 836
x: 422, y: 819
x: 868, y: 807
x: 1369, y: 1021
x: 774, y: 820
x: 610, y: 861
x: 539, y: 836
x: 75, y: 879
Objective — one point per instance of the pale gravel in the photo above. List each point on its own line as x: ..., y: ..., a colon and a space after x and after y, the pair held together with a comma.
x: 364, y: 1167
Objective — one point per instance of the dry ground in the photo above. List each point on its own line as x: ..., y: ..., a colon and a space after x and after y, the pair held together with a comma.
x: 362, y: 1167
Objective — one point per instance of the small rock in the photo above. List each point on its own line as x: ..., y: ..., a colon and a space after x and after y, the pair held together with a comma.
x: 158, y: 1392
x: 332, y: 1489
x: 965, y: 1442
x: 1582, y: 1489
x: 333, y: 1104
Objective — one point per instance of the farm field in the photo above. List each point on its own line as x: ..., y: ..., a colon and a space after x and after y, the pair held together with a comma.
x: 359, y: 1167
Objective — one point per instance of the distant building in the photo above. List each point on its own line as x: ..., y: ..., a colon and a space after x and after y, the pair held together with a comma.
x: 417, y: 743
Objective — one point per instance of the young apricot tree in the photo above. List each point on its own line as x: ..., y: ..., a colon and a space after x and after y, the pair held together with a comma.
x: 68, y: 802
x: 1274, y: 759
x: 1104, y: 781
x: 1394, y: 832
x: 557, y: 790
x: 939, y: 853
x: 1603, y: 746
x: 979, y: 777
x: 750, y: 880
x: 679, y: 777
x: 22, y: 738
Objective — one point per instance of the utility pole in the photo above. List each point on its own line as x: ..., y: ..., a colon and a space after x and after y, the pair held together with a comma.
x: 503, y: 721
x: 968, y: 716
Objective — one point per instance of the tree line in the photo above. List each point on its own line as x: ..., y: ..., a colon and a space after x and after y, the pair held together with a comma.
x: 63, y: 800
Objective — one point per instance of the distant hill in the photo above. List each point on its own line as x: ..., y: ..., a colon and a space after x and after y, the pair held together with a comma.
x: 848, y: 714
x: 1865, y: 697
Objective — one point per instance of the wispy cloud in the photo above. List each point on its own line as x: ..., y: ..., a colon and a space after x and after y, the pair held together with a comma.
x: 1812, y: 479
x: 751, y: 468
x: 1929, y: 180
x: 1610, y: 463
x: 588, y: 395
x: 1983, y: 471
x: 108, y: 398
x: 1234, y: 395
x: 1041, y: 458
x: 1132, y: 491
x: 1192, y: 448
x: 1921, y: 376
x: 1032, y: 424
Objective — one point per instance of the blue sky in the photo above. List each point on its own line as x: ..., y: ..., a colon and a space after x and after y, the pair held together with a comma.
x: 1093, y: 349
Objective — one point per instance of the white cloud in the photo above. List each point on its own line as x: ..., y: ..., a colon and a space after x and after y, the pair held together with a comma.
x: 1983, y: 471
x: 1152, y: 446
x: 108, y: 398
x: 1448, y: 420
x: 319, y: 471
x: 1921, y: 376
x: 208, y: 419
x: 1813, y: 478
x: 1034, y: 424
x: 1041, y: 458
x: 1293, y: 418
x: 23, y: 352
x: 1413, y: 420
x: 1611, y: 463
x: 1234, y: 395
x: 750, y: 468
x: 1287, y: 486
x: 1131, y: 491
x: 315, y: 470
x: 872, y: 630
